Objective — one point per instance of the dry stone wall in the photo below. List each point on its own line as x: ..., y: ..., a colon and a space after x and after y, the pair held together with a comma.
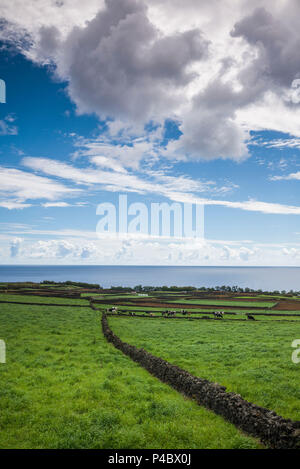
x: 273, y: 430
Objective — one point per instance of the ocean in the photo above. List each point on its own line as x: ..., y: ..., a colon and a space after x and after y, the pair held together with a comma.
x: 265, y: 278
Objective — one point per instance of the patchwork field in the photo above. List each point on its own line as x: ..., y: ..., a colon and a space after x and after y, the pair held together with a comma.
x: 245, y: 304
x: 65, y: 386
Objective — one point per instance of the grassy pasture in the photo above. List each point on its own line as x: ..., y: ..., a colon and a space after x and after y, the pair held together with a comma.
x: 239, y: 314
x: 237, y: 317
x: 106, y: 296
x: 64, y: 386
x: 43, y: 299
x: 121, y: 297
x: 94, y: 295
x: 250, y: 304
x: 251, y: 359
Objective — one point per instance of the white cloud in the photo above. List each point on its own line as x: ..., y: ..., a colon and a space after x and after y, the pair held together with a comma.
x: 30, y: 16
x: 17, y: 186
x: 176, y: 189
x: 71, y: 234
x: 13, y: 205
x: 7, y: 127
x: 117, y: 156
x: 283, y: 143
x: 289, y: 177
x: 50, y: 249
x: 263, y: 207
x: 56, y: 204
x: 63, y: 204
x: 107, y: 163
x: 140, y: 251
x: 270, y: 113
x: 293, y: 253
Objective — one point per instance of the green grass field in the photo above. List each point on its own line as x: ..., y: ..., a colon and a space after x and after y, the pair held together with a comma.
x: 64, y: 386
x: 249, y: 358
x: 238, y: 314
x: 246, y: 304
x: 43, y: 299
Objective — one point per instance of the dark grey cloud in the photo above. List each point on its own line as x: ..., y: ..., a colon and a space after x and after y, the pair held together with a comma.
x: 278, y: 43
x: 121, y: 65
x: 209, y: 129
x: 49, y: 40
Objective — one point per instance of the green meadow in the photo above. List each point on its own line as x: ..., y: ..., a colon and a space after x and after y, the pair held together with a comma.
x: 199, y: 312
x: 246, y: 304
x: 64, y: 386
x: 250, y: 358
x: 43, y: 299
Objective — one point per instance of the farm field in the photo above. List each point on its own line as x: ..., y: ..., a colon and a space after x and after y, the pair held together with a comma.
x: 236, y: 313
x: 42, y: 299
x: 249, y: 304
x: 163, y: 303
x: 250, y: 359
x: 64, y: 386
x: 200, y: 312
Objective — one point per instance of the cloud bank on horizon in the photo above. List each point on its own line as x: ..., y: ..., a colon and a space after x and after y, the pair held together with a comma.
x: 188, y: 100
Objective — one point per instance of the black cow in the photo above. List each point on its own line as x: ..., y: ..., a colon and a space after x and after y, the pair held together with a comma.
x: 218, y: 314
x: 171, y: 314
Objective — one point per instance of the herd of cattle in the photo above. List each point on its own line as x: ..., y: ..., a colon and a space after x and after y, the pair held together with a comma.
x: 172, y: 314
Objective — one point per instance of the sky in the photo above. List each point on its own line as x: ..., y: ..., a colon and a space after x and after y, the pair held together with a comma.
x: 165, y: 101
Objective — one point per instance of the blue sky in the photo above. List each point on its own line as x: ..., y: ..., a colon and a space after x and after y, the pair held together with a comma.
x: 116, y: 103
